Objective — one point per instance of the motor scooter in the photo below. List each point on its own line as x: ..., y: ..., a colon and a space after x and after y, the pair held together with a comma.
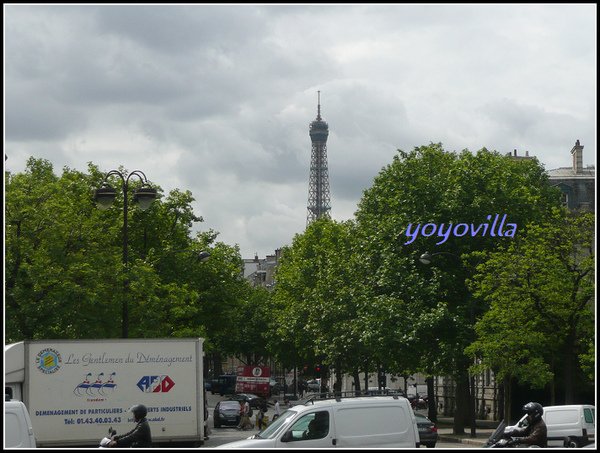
x: 108, y: 439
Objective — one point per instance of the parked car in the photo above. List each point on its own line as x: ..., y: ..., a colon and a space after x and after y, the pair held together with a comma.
x: 427, y: 431
x: 385, y: 391
x: 314, y: 385
x: 226, y: 413
x: 302, y: 401
x: 276, y: 386
x: 254, y: 400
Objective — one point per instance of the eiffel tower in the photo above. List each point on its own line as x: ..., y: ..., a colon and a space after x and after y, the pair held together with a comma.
x: 319, y: 203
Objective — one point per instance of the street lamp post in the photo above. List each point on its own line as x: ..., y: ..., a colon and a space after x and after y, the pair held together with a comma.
x: 201, y: 256
x: 143, y: 196
x: 427, y: 258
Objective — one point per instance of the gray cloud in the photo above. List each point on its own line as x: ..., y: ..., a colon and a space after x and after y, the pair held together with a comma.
x: 217, y: 99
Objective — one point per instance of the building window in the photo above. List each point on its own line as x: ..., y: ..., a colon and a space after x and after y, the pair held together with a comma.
x: 565, y: 199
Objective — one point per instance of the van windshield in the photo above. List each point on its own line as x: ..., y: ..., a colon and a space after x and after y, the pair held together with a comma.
x: 274, y: 427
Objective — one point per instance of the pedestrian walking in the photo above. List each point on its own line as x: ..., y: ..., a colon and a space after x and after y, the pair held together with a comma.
x: 245, y: 413
x: 277, y: 410
x: 261, y: 418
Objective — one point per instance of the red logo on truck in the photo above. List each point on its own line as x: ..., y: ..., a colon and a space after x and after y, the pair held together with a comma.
x: 155, y: 384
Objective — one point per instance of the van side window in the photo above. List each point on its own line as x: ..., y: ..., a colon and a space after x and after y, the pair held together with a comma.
x: 311, y: 426
x: 588, y: 415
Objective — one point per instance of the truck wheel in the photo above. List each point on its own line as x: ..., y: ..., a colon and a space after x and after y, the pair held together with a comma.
x: 571, y: 442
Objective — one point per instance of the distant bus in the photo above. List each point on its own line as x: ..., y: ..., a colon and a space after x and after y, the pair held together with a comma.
x: 224, y: 384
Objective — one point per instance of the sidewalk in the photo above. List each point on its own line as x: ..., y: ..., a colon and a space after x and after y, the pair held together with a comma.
x: 484, y: 429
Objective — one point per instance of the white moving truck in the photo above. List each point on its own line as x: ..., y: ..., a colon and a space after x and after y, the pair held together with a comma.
x: 76, y: 390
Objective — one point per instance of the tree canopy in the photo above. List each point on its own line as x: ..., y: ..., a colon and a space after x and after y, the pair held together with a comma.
x: 65, y: 273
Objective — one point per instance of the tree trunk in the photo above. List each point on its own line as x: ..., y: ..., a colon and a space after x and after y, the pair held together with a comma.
x: 217, y: 363
x: 356, y: 377
x: 552, y: 384
x: 483, y: 410
x: 507, y: 397
x: 499, y: 400
x: 462, y: 403
x: 431, y: 402
x: 337, y: 387
x: 568, y: 366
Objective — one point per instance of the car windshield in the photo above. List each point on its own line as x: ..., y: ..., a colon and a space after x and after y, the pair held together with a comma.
x: 229, y: 405
x: 274, y: 428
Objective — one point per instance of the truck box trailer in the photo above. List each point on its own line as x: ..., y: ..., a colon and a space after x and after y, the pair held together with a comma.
x: 76, y: 390
x: 253, y: 379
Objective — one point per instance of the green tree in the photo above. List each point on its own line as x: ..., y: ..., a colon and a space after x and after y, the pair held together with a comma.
x: 539, y: 290
x: 64, y: 270
x: 430, y: 185
x: 58, y: 281
x: 320, y: 315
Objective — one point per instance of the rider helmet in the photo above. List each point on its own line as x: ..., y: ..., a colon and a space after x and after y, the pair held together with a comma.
x: 139, y: 411
x: 535, y: 410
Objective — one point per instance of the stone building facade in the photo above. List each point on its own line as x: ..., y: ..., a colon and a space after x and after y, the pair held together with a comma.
x: 577, y: 183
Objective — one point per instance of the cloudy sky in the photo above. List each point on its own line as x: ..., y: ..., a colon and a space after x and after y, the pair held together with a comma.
x: 217, y: 99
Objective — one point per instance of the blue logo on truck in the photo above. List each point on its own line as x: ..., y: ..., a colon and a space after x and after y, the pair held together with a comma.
x: 99, y: 387
x: 48, y: 360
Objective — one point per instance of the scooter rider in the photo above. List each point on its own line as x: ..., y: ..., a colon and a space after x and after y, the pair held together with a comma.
x: 139, y: 436
x: 535, y: 433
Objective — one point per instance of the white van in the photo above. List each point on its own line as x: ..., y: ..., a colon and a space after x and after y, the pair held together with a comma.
x: 17, y: 426
x: 570, y: 425
x: 356, y: 422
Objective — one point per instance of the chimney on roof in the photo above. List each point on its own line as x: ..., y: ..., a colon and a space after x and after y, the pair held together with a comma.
x: 577, y: 153
x: 515, y: 152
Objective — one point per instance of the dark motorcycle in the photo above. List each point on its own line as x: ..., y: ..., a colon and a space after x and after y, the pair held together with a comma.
x: 502, y: 436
